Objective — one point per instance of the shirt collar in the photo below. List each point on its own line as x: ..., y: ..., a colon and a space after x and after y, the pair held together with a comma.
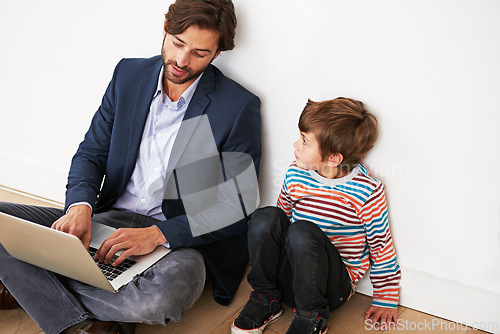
x: 185, y: 97
x: 335, y: 182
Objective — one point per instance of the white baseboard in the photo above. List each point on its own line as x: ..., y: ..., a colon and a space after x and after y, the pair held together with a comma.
x: 444, y: 298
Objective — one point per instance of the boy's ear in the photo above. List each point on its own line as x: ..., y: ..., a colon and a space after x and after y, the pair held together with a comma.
x: 335, y: 159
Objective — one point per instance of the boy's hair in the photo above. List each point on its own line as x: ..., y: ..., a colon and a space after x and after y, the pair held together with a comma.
x: 341, y: 125
x: 217, y: 15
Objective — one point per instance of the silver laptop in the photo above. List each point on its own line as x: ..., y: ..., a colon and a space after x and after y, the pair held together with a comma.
x: 65, y: 254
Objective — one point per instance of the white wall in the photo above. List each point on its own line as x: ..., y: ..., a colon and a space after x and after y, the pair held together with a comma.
x: 429, y: 70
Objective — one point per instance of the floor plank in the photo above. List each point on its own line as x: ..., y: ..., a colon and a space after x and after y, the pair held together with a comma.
x: 411, y: 321
x: 17, y: 321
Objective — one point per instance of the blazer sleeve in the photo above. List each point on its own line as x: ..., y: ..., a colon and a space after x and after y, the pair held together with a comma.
x: 88, y: 165
x: 244, y: 136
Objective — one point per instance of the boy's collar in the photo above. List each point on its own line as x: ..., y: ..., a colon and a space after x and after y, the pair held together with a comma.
x: 335, y: 182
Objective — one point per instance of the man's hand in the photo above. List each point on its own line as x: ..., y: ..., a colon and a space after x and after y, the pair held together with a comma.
x: 77, y: 221
x: 133, y: 241
x: 383, y: 315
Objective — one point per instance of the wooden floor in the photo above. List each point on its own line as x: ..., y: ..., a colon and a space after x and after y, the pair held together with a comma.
x: 207, y: 317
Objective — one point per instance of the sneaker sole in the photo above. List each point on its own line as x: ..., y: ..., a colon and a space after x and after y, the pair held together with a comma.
x: 259, y: 330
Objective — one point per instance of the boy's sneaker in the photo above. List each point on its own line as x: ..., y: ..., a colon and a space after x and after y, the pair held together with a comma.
x: 259, y: 311
x: 308, y: 323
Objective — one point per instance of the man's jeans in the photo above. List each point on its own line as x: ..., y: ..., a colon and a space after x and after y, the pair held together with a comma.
x: 295, y: 263
x: 55, y: 302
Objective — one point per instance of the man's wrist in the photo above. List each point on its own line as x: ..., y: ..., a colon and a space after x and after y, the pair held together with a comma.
x: 80, y: 204
x: 161, y: 238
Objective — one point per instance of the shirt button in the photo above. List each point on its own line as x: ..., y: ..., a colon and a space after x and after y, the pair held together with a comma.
x: 143, y: 200
x: 158, y: 135
x: 156, y: 169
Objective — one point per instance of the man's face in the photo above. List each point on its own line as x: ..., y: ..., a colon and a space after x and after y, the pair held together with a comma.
x: 187, y: 55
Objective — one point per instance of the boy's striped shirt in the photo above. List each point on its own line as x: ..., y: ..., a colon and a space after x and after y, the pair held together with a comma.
x: 352, y: 212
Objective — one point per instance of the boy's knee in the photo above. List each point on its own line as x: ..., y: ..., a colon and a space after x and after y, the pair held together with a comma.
x: 264, y: 221
x: 302, y: 233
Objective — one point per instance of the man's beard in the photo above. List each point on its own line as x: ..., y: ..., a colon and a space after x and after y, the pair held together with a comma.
x: 176, y: 79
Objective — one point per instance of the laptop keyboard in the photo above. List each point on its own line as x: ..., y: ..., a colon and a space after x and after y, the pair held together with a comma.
x: 108, y: 270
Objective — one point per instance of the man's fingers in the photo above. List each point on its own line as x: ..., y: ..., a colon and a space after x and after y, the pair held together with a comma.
x: 123, y: 256
x: 87, y: 237
x: 105, y: 247
x: 112, y: 251
x: 72, y: 230
x: 130, y: 241
x: 110, y: 247
x: 58, y: 225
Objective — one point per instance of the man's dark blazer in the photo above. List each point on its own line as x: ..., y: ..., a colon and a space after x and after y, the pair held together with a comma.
x: 110, y: 147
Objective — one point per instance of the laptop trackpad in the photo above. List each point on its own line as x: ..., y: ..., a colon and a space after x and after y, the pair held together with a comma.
x: 100, y: 233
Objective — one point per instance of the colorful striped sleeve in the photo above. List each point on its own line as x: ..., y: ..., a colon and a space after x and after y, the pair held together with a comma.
x: 284, y: 199
x: 385, y: 273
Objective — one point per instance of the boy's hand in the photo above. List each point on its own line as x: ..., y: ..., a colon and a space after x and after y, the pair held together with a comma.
x: 383, y: 315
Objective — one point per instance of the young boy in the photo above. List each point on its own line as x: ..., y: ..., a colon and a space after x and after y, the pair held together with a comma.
x: 330, y: 224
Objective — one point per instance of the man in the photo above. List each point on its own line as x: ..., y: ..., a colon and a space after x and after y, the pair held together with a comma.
x: 121, y: 167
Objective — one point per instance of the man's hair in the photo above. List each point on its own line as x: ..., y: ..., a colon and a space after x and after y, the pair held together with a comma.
x: 341, y: 125
x: 217, y: 15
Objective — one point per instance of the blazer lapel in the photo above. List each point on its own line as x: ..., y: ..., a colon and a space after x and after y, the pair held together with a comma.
x: 144, y: 97
x: 190, y: 122
x: 200, y: 99
x: 196, y: 108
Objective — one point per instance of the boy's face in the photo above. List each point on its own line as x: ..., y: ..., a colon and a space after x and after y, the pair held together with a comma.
x: 307, y: 152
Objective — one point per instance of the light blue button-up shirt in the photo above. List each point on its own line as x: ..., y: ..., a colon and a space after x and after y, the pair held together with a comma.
x: 144, y: 191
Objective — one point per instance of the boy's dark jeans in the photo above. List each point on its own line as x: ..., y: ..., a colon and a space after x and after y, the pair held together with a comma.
x: 295, y: 263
